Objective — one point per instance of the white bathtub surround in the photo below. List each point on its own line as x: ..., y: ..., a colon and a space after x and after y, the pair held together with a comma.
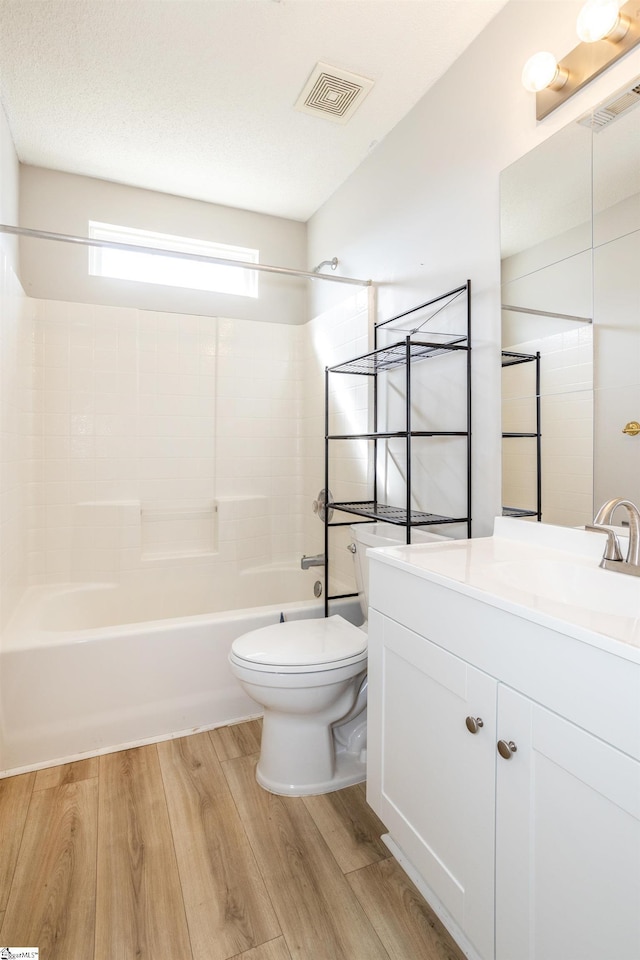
x: 15, y: 435
x: 333, y: 336
x: 161, y: 437
x: 260, y: 383
x: 170, y: 531
x: 14, y: 432
x: 148, y: 427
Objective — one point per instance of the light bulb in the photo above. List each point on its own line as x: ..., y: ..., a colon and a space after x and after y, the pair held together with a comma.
x: 542, y: 70
x: 599, y: 19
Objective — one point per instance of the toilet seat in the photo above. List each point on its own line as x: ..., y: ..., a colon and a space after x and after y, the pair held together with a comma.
x: 308, y: 676
x: 301, y: 646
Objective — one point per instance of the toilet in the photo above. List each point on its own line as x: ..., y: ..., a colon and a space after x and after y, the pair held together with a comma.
x: 310, y: 678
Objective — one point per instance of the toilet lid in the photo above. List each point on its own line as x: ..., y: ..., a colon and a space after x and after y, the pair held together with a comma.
x: 301, y: 642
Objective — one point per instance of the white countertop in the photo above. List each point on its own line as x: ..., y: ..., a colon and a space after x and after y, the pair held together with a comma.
x: 549, y: 575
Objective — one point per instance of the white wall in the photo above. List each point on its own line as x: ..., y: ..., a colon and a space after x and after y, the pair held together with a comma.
x: 64, y: 203
x: 421, y: 214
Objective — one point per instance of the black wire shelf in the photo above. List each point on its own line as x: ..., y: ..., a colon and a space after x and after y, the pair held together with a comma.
x: 400, y: 353
x: 395, y: 355
x: 400, y: 434
x: 396, y: 515
x: 518, y: 512
x: 510, y: 358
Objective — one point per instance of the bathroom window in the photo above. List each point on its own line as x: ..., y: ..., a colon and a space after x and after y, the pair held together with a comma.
x: 171, y: 271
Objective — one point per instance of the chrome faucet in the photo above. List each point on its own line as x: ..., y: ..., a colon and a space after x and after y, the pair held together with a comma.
x: 317, y: 561
x: 612, y: 557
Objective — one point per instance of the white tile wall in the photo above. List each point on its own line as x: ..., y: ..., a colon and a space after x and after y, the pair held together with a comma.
x: 258, y: 455
x: 15, y: 423
x: 567, y: 457
x: 336, y: 335
x: 161, y: 438
x: 566, y: 387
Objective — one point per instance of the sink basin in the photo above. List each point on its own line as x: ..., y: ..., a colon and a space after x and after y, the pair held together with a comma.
x: 551, y: 574
x: 574, y: 584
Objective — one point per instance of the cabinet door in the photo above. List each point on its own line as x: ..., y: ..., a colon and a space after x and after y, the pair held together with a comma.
x: 567, y: 839
x: 431, y: 780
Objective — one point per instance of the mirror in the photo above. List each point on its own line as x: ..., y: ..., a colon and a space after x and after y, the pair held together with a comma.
x: 570, y: 238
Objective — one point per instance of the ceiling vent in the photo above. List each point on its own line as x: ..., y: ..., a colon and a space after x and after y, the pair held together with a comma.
x: 333, y: 93
x: 610, y: 110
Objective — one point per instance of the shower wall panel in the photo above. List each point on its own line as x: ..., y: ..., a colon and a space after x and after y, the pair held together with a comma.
x: 15, y: 428
x: 331, y: 337
x: 161, y: 438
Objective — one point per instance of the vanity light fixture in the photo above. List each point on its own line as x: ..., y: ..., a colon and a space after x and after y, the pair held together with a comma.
x: 607, y: 31
x: 600, y: 20
x: 542, y: 71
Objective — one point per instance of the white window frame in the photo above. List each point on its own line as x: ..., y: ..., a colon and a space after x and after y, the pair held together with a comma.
x: 168, y: 270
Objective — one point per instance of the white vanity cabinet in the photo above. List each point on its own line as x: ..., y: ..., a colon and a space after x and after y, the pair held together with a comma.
x: 431, y: 780
x: 567, y: 841
x: 528, y: 854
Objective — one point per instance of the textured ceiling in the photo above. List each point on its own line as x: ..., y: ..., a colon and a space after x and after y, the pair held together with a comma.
x: 196, y: 97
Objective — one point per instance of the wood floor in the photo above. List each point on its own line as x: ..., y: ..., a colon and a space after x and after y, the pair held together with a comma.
x: 173, y: 851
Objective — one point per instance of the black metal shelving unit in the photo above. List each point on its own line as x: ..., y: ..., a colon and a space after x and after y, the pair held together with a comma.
x: 509, y: 359
x: 402, y: 354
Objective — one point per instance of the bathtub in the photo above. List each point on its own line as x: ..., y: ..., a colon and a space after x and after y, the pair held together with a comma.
x: 91, y: 668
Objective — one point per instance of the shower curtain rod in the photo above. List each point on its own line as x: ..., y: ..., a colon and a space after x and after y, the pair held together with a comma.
x: 134, y: 248
x: 546, y: 313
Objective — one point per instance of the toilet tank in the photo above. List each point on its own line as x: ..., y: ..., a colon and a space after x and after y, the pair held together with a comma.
x: 366, y: 535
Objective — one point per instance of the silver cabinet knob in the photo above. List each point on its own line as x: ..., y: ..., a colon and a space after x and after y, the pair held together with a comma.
x: 506, y: 749
x: 474, y: 724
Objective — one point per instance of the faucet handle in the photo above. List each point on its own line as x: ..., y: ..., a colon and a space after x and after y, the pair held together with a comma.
x: 612, y: 548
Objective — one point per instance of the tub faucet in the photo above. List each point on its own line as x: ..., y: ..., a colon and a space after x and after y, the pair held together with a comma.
x: 317, y: 561
x: 612, y: 557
